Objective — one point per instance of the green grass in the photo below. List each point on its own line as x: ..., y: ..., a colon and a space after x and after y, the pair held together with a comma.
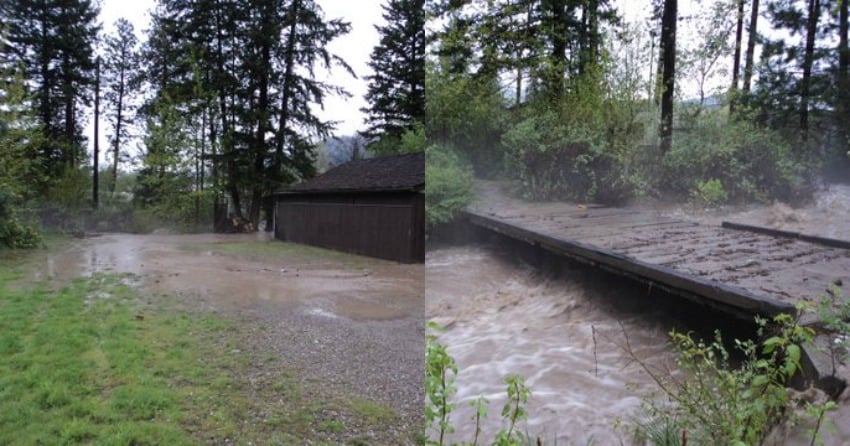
x: 286, y: 252
x: 96, y: 363
x: 90, y: 364
x: 376, y: 413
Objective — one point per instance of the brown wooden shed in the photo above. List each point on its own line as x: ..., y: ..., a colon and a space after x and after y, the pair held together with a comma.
x: 373, y: 207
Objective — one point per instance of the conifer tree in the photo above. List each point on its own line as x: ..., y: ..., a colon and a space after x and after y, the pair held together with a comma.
x: 121, y: 60
x: 396, y: 94
x: 55, y: 41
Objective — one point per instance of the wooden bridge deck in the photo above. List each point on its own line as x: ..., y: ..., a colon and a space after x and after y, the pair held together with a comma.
x: 735, y: 269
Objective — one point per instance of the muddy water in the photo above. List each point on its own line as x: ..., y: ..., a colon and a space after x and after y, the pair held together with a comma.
x: 825, y: 215
x: 503, y: 317
x: 374, y: 290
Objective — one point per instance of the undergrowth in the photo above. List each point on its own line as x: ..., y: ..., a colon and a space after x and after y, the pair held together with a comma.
x: 718, y: 400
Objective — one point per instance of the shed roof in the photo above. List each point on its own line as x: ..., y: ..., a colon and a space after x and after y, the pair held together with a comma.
x: 388, y: 173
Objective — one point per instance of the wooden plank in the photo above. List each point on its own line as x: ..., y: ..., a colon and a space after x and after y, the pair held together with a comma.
x: 831, y: 242
x: 731, y: 296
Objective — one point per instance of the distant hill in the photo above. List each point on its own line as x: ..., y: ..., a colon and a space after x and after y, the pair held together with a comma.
x: 339, y: 150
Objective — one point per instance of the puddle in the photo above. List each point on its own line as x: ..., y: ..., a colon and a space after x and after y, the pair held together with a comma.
x: 316, y: 311
x: 163, y: 267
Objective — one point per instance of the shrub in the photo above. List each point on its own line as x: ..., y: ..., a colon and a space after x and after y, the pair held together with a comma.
x: 469, y: 113
x: 448, y: 185
x: 709, y: 193
x: 582, y: 147
x: 177, y: 210
x: 14, y: 234
x: 718, y: 402
x: 751, y: 163
x: 411, y: 140
x: 554, y: 159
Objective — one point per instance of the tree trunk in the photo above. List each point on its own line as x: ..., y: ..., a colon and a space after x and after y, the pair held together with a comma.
x: 593, y: 37
x: 668, y: 77
x: 843, y: 49
x: 95, y: 194
x: 752, y: 32
x: 559, y: 50
x: 289, y: 62
x: 736, y: 63
x: 843, y: 72
x: 118, y: 122
x: 262, y: 184
x: 67, y: 90
x: 808, y: 60
x: 227, y: 142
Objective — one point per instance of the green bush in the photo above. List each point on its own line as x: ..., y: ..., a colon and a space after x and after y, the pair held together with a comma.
x: 412, y: 140
x: 716, y: 401
x: 582, y: 147
x: 554, y: 159
x: 13, y: 233
x: 468, y: 113
x: 709, y: 193
x: 751, y: 163
x: 448, y: 185
x: 181, y: 211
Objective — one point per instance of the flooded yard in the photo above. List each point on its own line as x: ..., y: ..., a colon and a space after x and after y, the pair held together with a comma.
x: 347, y: 330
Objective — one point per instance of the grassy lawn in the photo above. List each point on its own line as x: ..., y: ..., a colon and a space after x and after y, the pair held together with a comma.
x: 96, y: 363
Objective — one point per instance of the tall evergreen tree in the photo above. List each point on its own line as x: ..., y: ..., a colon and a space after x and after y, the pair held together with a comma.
x: 245, y: 72
x: 396, y: 94
x: 752, y: 35
x: 55, y: 40
x: 121, y: 60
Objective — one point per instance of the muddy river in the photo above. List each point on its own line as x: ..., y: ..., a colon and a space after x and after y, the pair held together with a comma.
x: 566, y: 334
x: 502, y: 317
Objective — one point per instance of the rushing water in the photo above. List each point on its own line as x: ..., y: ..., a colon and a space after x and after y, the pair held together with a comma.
x: 825, y: 215
x: 565, y: 336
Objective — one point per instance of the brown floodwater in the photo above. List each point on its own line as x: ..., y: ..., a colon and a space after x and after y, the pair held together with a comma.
x: 190, y: 264
x: 825, y: 215
x: 566, y: 335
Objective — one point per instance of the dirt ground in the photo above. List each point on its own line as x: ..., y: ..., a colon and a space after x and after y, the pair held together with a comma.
x: 350, y: 325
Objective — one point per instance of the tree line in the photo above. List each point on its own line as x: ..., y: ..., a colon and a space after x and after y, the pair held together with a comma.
x: 574, y: 102
x: 221, y: 93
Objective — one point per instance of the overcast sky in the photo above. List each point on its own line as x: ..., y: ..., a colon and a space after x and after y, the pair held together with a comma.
x: 355, y: 48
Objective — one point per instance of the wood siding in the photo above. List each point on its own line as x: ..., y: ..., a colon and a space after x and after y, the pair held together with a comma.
x: 384, y: 225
